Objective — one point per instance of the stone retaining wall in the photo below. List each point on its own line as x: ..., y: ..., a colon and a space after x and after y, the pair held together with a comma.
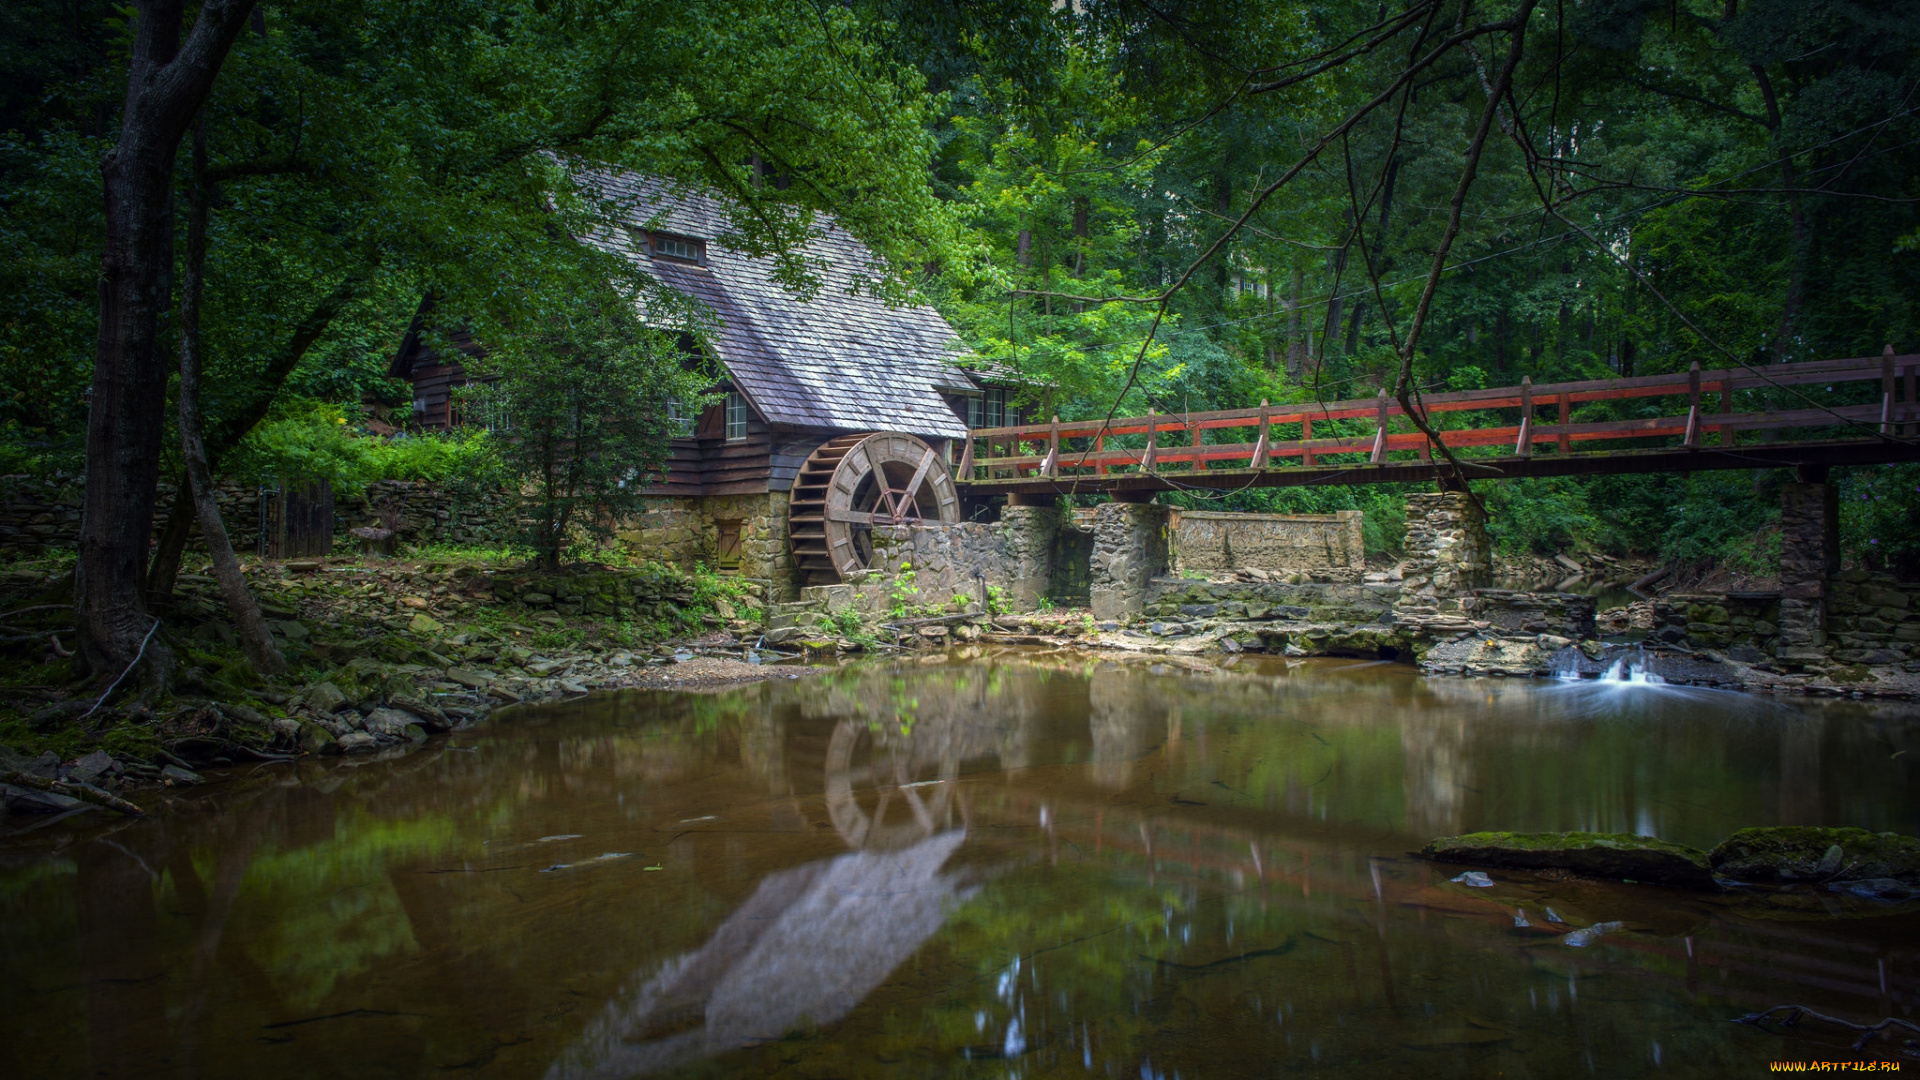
x: 1225, y: 541
x: 1318, y: 602
x: 649, y: 592
x: 1744, y: 625
x: 1561, y: 614
x: 39, y: 515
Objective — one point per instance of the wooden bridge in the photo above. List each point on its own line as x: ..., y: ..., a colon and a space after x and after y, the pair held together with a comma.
x: 1371, y: 441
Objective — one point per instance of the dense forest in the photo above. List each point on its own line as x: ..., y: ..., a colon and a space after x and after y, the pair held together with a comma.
x: 1129, y: 205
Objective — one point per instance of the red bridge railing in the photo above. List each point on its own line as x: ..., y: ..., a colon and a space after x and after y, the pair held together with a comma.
x: 1178, y: 441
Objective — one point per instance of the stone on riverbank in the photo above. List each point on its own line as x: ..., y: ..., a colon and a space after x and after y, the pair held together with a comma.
x: 1604, y: 855
x: 1802, y: 853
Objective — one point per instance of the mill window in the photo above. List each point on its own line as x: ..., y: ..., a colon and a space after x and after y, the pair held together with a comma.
x: 737, y: 414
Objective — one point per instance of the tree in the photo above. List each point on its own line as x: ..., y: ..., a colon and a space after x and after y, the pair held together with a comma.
x: 583, y: 412
x: 167, y: 82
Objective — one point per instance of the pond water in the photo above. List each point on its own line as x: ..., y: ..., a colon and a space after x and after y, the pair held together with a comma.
x: 1026, y: 863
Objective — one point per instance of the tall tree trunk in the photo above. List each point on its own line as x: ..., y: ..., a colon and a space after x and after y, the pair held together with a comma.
x: 1796, y: 293
x: 1082, y: 224
x: 241, y: 604
x: 1023, y: 248
x: 166, y: 85
x: 165, y: 567
x: 1296, y: 349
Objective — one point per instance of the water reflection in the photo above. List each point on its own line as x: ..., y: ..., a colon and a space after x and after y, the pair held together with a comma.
x: 1023, y: 863
x: 805, y: 948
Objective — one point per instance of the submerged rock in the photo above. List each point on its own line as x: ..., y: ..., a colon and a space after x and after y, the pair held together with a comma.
x: 1787, y: 854
x: 1606, y: 855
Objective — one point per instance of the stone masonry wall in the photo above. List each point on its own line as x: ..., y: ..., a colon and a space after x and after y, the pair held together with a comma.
x: 429, y: 514
x: 1809, y: 554
x: 1216, y: 541
x: 1014, y: 554
x: 680, y: 531
x: 1447, y: 549
x: 38, y: 515
x: 1129, y: 551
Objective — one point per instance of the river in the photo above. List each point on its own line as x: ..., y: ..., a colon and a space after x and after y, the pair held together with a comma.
x: 1023, y: 863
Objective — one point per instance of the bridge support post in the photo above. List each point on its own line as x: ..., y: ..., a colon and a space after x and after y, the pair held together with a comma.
x: 1129, y: 550
x: 1447, y: 551
x: 1809, y: 555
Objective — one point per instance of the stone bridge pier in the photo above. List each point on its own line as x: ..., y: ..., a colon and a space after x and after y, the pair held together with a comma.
x: 1129, y: 551
x: 1809, y: 557
x: 1448, y: 555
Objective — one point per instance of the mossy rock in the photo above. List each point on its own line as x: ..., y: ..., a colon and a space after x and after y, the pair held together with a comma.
x: 1796, y: 853
x: 1602, y: 855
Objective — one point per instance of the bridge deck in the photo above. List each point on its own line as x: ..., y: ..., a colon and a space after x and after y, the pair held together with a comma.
x: 1163, y: 452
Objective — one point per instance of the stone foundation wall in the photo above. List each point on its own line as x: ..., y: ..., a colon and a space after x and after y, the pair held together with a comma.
x: 1447, y: 550
x: 680, y: 531
x: 1217, y: 541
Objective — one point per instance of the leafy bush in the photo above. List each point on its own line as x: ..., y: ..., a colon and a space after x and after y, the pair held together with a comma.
x: 307, y: 440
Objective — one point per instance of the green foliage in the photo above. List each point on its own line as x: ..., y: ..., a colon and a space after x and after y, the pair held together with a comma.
x: 308, y: 440
x: 588, y: 398
x: 902, y: 592
x: 997, y: 601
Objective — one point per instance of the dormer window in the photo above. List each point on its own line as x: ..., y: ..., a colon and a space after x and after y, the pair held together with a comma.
x: 679, y: 248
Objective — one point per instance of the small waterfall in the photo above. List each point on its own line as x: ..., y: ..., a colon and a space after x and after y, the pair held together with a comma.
x: 1632, y: 665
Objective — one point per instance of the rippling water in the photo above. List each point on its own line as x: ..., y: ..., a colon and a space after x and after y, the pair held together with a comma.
x: 1022, y: 864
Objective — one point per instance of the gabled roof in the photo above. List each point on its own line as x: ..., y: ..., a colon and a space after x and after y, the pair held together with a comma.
x: 840, y: 360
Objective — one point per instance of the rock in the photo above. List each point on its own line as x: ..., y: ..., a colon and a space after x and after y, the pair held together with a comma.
x: 390, y: 722
x: 26, y: 800
x: 324, y: 698
x: 429, y: 717
x: 572, y: 687
x: 472, y: 680
x: 782, y: 635
x: 1580, y: 939
x: 1606, y: 855
x: 934, y: 632
x: 284, y: 727
x: 315, y: 739
x: 176, y: 776
x: 1790, y: 853
x: 415, y: 733
x: 245, y: 714
x: 1887, y: 889
x: 290, y: 629
x: 358, y: 742
x: 418, y: 603
x: 1475, y: 878
x: 89, y: 768
x: 536, y: 599
x: 424, y: 624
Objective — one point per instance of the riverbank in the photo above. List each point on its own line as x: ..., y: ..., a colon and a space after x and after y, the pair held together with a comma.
x: 385, y: 653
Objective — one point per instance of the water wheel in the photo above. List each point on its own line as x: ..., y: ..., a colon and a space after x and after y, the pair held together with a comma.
x: 854, y: 483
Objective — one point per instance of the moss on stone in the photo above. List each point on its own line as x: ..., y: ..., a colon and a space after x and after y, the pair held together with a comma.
x: 1607, y: 855
x: 1804, y: 853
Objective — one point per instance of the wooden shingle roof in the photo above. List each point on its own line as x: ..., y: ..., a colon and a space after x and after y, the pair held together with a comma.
x: 841, y: 360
